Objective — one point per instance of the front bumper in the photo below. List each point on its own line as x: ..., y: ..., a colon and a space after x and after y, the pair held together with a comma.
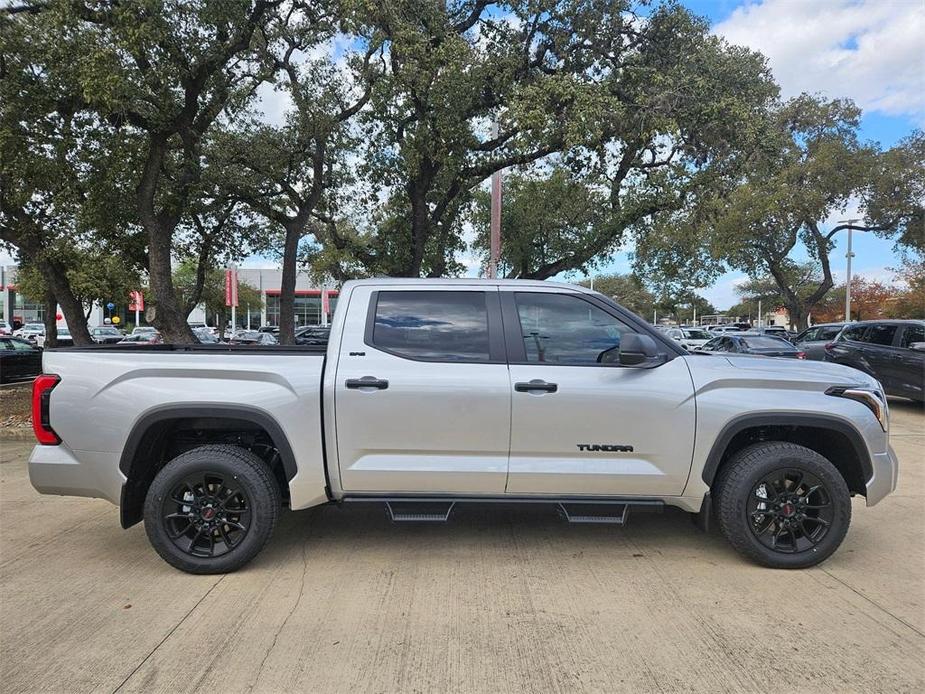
x: 885, y: 473
x: 58, y: 470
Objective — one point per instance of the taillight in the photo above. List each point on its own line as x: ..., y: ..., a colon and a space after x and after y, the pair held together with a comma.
x: 801, y: 355
x: 41, y: 398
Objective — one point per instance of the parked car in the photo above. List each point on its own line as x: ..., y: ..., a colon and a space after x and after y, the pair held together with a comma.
x: 5, y: 328
x: 312, y: 335
x: 717, y: 329
x: 30, y: 331
x: 106, y: 335
x: 436, y: 393
x: 205, y: 335
x: 813, y: 340
x: 144, y: 338
x: 252, y: 337
x: 689, y: 338
x: 753, y: 343
x: 269, y: 329
x: 775, y: 330
x: 64, y: 338
x: 892, y: 351
x: 18, y: 359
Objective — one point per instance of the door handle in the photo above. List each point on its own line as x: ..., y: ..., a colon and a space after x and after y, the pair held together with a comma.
x: 536, y: 385
x: 367, y: 382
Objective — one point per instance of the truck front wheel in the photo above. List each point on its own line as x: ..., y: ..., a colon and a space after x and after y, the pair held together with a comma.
x: 783, y: 505
x: 212, y: 509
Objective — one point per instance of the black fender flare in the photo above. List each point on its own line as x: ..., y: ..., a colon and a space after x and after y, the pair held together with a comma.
x: 246, y: 413
x: 156, y: 415
x: 818, y: 421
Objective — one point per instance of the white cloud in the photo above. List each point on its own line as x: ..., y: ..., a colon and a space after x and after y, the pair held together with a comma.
x: 868, y: 50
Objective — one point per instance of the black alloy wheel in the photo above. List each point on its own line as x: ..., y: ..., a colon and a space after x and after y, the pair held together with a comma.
x: 790, y: 510
x: 207, y: 515
x: 782, y: 505
x: 212, y: 509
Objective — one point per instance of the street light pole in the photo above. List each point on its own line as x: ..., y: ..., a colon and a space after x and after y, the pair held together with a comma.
x: 849, y: 255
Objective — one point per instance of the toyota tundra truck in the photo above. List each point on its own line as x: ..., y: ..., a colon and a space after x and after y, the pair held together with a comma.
x: 433, y: 393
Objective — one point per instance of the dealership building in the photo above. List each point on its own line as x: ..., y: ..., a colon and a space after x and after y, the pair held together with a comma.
x: 15, y: 307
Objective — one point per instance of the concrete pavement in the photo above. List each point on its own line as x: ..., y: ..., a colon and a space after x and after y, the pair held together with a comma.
x: 510, y: 600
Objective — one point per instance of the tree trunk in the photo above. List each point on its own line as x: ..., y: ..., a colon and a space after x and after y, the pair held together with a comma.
x: 71, y: 307
x: 169, y: 317
x: 420, y: 230
x: 51, y: 319
x: 287, y: 284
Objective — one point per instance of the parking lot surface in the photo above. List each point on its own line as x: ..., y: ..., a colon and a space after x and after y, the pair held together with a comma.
x: 509, y: 600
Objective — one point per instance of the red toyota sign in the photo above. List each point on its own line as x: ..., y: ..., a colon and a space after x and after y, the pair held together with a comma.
x: 136, y: 301
x: 231, y: 287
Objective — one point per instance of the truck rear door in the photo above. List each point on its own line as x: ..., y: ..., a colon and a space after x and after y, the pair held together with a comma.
x: 422, y: 395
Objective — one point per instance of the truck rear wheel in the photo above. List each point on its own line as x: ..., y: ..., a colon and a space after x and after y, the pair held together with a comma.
x: 783, y: 505
x: 212, y: 509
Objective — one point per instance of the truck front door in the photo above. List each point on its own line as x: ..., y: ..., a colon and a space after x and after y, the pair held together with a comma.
x: 580, y: 427
x: 422, y: 396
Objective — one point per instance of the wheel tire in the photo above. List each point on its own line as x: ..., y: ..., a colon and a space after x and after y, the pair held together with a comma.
x: 738, y: 485
x: 252, y: 488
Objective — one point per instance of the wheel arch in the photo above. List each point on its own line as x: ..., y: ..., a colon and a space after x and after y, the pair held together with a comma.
x: 830, y: 436
x: 143, y: 453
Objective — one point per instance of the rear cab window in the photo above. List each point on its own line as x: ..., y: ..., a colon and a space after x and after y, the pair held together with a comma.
x: 432, y: 325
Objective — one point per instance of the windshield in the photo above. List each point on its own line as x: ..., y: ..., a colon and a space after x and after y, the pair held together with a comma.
x: 697, y: 335
x: 107, y: 331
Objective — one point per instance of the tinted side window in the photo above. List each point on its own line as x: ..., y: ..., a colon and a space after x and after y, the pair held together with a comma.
x: 855, y: 332
x: 807, y: 335
x: 440, y: 326
x: 913, y: 333
x: 828, y: 333
x: 562, y: 329
x: 881, y: 334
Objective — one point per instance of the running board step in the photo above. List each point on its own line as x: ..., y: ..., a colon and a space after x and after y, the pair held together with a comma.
x: 419, y: 512
x: 612, y: 514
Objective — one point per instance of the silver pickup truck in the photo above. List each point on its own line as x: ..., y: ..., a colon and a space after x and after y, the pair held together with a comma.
x: 432, y: 393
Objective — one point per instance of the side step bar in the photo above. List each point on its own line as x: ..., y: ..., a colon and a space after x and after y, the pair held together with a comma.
x: 431, y: 509
x: 613, y: 514
x: 419, y: 511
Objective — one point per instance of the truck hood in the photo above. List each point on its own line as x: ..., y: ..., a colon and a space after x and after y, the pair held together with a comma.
x: 775, y: 371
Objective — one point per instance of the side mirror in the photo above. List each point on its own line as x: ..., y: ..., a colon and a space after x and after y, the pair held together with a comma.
x: 917, y: 346
x: 639, y: 350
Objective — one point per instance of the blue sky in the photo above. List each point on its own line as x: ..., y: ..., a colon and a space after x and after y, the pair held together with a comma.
x: 868, y: 50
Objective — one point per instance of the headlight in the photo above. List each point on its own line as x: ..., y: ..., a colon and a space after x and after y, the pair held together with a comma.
x: 874, y: 400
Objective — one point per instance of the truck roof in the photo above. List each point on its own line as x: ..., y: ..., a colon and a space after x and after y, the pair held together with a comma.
x: 464, y: 281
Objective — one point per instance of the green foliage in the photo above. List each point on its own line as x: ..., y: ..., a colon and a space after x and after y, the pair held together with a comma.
x: 543, y: 219
x: 212, y: 293
x: 627, y: 290
x: 808, y: 167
